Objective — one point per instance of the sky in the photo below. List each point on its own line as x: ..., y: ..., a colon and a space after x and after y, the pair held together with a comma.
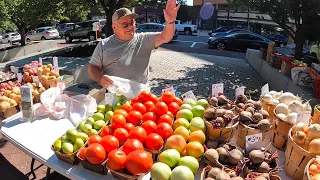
x: 189, y: 2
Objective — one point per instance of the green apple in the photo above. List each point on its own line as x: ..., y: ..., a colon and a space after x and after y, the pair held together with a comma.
x: 170, y: 157
x: 93, y: 131
x: 117, y: 106
x: 80, y: 126
x: 185, y: 113
x: 57, y: 145
x: 87, y: 128
x: 186, y: 106
x: 63, y: 138
x: 202, y: 102
x: 90, y: 121
x: 67, y: 148
x: 98, y: 116
x: 197, y: 111
x: 83, y: 136
x: 108, y: 115
x: 108, y: 107
x: 101, y: 108
x: 124, y: 102
x: 197, y: 123
x: 120, y: 97
x: 189, y: 101
x: 181, y: 122
x: 159, y: 171
x: 77, y: 144
x: 72, y: 134
x: 98, y: 125
x: 190, y: 162
x: 181, y: 172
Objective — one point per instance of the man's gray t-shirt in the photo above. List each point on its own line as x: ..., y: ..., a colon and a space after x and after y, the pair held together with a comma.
x: 125, y: 59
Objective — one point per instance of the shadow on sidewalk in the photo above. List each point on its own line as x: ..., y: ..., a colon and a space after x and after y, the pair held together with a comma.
x: 56, y: 176
x: 8, y: 171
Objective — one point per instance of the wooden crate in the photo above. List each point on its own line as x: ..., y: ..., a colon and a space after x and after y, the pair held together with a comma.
x: 244, y: 131
x: 296, y: 159
x: 269, y: 108
x: 271, y: 49
x: 223, y: 134
x: 279, y: 136
x: 275, y: 60
x: 316, y: 115
x: 286, y: 68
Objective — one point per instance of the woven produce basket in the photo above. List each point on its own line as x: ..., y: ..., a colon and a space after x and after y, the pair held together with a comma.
x: 269, y: 108
x: 9, y: 112
x: 306, y: 175
x: 244, y: 131
x: 279, y: 136
x: 154, y: 153
x: 316, y: 115
x: 223, y: 134
x: 204, y: 172
x: 296, y: 159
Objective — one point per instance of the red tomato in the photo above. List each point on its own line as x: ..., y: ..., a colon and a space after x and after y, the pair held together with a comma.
x: 154, y: 98
x: 106, y: 130
x: 121, y: 134
x: 94, y: 139
x: 167, y: 97
x: 149, y: 116
x: 82, y: 154
x: 121, y: 111
x: 170, y: 114
x: 145, y: 95
x: 165, y: 118
x: 154, y: 141
x: 149, y: 126
x: 135, y: 100
x: 134, y: 117
x: 173, y: 108
x: 127, y: 107
x: 95, y: 153
x: 139, y: 107
x: 138, y: 133
x: 139, y: 162
x: 161, y: 108
x: 109, y: 143
x: 178, y: 101
x: 164, y: 130
x: 116, y: 160
x: 118, y: 121
x: 128, y: 127
x: 148, y: 105
x: 132, y: 145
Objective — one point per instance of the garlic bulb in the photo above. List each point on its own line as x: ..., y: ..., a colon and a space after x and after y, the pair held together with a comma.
x: 292, y: 118
x: 281, y: 116
x: 295, y: 106
x: 275, y: 102
x: 282, y: 108
x: 267, y: 98
x: 287, y: 98
x: 272, y: 93
x: 306, y: 106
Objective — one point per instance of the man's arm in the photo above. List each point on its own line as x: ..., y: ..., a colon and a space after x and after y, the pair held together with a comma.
x: 95, y: 72
x: 170, y: 15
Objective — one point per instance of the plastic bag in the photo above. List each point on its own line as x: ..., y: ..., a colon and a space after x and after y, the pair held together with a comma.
x: 301, y: 76
x: 126, y: 87
x: 60, y: 105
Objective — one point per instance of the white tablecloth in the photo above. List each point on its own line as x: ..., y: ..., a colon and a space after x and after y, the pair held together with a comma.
x: 35, y: 139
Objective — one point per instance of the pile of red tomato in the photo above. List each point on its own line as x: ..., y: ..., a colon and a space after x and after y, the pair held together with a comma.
x: 142, y: 124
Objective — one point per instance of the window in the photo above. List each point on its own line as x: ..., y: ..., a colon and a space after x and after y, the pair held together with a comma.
x: 70, y: 25
x: 39, y: 30
x: 251, y: 37
x: 15, y: 34
x: 241, y: 36
x: 77, y: 26
x: 103, y: 22
x: 176, y: 22
x: 86, y: 25
x: 6, y: 36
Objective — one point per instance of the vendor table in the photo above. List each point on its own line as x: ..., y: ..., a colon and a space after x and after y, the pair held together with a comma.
x: 35, y: 139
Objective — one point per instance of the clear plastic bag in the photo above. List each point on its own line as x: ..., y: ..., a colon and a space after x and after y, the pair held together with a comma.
x: 126, y: 87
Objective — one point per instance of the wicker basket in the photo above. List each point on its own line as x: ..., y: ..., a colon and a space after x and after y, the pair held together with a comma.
x: 244, y: 131
x: 9, y: 112
x: 224, y: 134
x: 269, y: 108
x: 316, y: 115
x: 296, y: 159
x: 155, y: 153
x: 204, y: 173
x: 306, y: 175
x: 49, y: 83
x: 279, y: 136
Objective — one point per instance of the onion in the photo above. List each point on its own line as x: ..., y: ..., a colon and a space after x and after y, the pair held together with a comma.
x: 267, y: 98
x: 281, y: 116
x: 287, y: 97
x: 278, y: 95
x: 295, y: 106
x: 314, y: 147
x: 306, y: 106
x: 282, y: 108
x: 275, y: 102
x: 301, y: 127
x: 314, y: 131
x: 292, y: 118
x: 299, y: 137
x: 272, y: 93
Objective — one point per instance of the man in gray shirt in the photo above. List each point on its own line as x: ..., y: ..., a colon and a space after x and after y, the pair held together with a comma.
x: 126, y: 54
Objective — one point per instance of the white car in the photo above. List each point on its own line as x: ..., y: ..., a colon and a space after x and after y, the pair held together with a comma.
x: 42, y: 33
x: 12, y: 37
x: 188, y: 29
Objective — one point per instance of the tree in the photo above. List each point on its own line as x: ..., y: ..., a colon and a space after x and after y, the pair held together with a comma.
x: 183, y: 14
x: 303, y: 13
x: 23, y: 12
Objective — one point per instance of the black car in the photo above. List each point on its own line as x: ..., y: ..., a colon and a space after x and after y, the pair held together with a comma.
x: 153, y: 27
x: 280, y: 40
x: 224, y: 29
x: 239, y: 41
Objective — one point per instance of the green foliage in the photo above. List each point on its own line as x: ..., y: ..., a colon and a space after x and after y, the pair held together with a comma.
x: 183, y: 14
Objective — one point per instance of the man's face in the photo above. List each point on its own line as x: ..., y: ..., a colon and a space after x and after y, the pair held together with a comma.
x: 125, y: 28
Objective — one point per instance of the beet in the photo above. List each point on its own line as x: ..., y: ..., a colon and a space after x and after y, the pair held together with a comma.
x: 245, y: 116
x: 220, y: 122
x: 223, y: 154
x: 212, y: 144
x: 240, y: 105
x: 257, y: 117
x: 241, y: 98
x: 209, y: 113
x: 264, y: 113
x: 250, y: 109
x: 250, y: 101
x: 248, y: 105
x: 222, y: 100
x: 213, y: 101
x: 219, y: 113
x: 257, y: 105
x: 264, y: 167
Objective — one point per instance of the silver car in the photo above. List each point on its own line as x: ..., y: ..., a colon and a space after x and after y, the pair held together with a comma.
x: 12, y: 37
x: 42, y: 33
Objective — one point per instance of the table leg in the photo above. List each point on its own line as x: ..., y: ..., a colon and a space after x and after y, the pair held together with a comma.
x: 48, y: 173
x: 32, y: 170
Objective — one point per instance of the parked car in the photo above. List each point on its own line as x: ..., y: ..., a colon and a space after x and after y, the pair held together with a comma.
x: 63, y: 28
x: 224, y: 29
x: 12, y: 37
x: 315, y: 51
x: 42, y: 33
x: 186, y: 28
x: 290, y: 50
x: 84, y: 30
x: 220, y: 34
x: 280, y: 40
x: 153, y: 27
x: 239, y: 41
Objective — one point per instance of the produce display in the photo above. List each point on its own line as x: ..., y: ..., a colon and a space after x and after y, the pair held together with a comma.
x: 307, y: 137
x: 299, y: 63
x: 4, y: 76
x: 30, y: 70
x: 70, y: 142
x: 221, y: 173
x: 314, y: 169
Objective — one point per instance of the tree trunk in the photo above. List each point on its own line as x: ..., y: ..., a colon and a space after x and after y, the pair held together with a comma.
x: 23, y: 38
x: 109, y: 23
x: 299, y: 41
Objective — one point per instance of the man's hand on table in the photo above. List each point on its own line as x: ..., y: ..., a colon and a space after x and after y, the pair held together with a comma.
x: 105, y: 81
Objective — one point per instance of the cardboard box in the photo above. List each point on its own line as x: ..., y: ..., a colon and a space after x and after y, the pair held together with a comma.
x: 93, y: 89
x: 286, y: 68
